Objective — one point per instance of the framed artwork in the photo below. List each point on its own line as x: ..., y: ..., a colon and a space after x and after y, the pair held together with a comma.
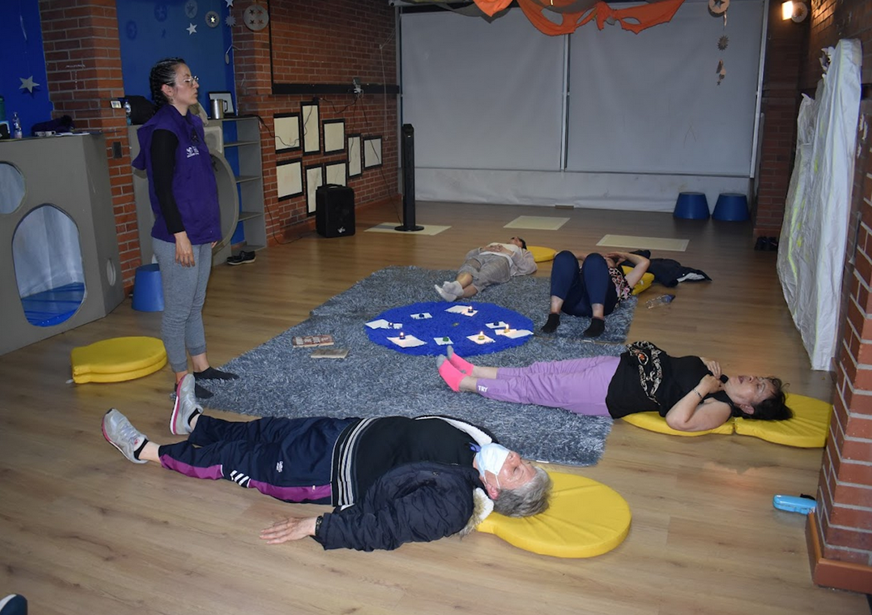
x: 372, y: 152
x: 314, y: 178
x: 287, y: 131
x: 289, y: 176
x: 334, y: 136
x: 355, y: 166
x: 310, y: 113
x: 336, y: 173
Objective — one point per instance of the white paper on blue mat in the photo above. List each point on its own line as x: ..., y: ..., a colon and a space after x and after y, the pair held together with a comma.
x: 497, y: 325
x: 422, y: 316
x: 410, y: 341
x: 480, y: 339
x: 443, y: 341
x: 466, y: 310
x: 381, y: 323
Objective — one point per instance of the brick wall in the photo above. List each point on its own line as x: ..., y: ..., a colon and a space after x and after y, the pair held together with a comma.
x: 314, y: 42
x: 318, y: 43
x: 83, y: 64
x: 779, y: 106
x: 840, y: 531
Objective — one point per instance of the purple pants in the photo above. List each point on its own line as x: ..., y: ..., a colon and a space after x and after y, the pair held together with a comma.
x: 577, y: 385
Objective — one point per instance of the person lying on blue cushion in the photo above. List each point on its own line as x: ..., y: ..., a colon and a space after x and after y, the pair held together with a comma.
x: 690, y: 392
x: 392, y: 480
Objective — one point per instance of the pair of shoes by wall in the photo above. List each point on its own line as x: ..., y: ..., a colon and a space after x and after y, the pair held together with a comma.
x: 243, y: 258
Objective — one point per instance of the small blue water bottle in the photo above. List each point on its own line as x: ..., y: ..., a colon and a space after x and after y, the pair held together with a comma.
x: 17, y: 133
x: 2, y: 109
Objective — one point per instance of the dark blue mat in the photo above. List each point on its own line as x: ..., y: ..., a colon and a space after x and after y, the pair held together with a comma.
x: 446, y: 325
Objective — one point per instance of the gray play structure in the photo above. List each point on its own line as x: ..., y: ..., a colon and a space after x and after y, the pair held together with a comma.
x: 52, y: 183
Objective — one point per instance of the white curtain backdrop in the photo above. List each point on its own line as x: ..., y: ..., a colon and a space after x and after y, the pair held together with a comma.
x: 46, y: 252
x: 645, y: 118
x: 811, y: 250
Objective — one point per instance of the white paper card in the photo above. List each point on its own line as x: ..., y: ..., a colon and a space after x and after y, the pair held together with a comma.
x: 480, y: 339
x: 443, y: 341
x: 410, y: 341
x: 497, y: 325
x: 381, y: 323
x: 514, y: 333
x: 466, y: 310
x: 422, y: 316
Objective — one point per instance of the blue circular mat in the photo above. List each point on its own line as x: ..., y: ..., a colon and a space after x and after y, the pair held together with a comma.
x: 454, y: 326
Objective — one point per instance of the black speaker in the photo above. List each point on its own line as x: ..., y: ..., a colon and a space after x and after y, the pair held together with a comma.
x: 334, y: 211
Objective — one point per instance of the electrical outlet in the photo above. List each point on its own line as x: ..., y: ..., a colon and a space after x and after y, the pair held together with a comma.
x: 357, y: 88
x: 116, y: 104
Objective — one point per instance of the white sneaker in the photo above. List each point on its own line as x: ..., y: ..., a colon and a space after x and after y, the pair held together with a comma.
x: 444, y: 294
x: 185, y: 407
x: 119, y: 432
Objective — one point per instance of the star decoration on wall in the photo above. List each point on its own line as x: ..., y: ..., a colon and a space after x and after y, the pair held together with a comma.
x: 230, y: 20
x: 27, y: 84
x: 192, y: 29
x: 229, y: 3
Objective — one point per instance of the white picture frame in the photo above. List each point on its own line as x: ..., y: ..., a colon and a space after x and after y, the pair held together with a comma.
x: 289, y: 179
x: 334, y: 136
x: 355, y: 164
x: 314, y: 179
x: 336, y: 173
x: 310, y: 116
x: 372, y: 152
x: 287, y: 132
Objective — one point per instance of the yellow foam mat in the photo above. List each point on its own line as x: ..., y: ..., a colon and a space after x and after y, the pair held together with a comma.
x: 643, y: 284
x: 807, y: 429
x: 585, y: 519
x: 117, y: 359
x: 542, y: 254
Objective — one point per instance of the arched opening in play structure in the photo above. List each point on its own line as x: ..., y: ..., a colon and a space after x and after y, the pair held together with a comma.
x: 46, y: 256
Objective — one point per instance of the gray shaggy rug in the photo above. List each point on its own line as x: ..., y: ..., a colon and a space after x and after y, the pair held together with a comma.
x: 277, y: 379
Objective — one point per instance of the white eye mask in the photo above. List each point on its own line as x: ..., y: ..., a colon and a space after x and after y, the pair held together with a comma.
x: 491, y: 458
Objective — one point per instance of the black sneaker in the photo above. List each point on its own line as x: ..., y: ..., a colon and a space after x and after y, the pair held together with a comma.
x: 248, y: 257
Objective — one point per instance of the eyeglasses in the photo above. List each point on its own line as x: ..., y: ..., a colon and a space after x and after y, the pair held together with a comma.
x: 190, y: 81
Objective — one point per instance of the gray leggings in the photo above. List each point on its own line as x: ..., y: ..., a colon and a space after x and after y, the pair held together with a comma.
x: 184, y: 291
x: 486, y: 270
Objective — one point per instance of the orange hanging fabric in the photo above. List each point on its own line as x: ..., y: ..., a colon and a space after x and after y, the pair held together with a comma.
x: 635, y: 19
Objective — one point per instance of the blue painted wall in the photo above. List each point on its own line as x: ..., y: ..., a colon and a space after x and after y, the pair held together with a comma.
x: 148, y: 31
x: 154, y: 29
x: 21, y: 56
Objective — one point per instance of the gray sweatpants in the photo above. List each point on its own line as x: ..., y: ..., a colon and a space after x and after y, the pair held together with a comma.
x: 486, y: 270
x: 184, y: 291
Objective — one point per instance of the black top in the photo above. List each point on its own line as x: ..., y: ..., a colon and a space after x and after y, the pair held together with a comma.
x: 648, y: 379
x: 394, y: 441
x: 163, y: 161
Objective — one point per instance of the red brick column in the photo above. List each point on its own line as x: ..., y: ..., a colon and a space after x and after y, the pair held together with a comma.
x: 83, y: 62
x: 840, y: 532
x: 780, y: 105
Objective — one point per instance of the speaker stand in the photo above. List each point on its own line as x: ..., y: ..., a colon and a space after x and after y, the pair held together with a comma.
x: 408, y: 136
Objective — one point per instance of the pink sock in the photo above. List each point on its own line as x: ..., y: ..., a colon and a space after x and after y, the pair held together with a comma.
x: 459, y: 362
x: 450, y: 374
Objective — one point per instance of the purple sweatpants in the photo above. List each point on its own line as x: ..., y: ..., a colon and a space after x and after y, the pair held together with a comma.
x: 577, y: 385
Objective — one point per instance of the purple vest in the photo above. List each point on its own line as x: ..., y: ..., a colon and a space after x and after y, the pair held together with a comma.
x: 194, y: 186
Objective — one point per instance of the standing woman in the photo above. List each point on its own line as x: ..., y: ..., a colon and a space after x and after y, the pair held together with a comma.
x: 187, y: 222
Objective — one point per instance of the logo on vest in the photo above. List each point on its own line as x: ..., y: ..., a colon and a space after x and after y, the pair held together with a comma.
x: 481, y: 389
x: 279, y: 466
x: 192, y: 151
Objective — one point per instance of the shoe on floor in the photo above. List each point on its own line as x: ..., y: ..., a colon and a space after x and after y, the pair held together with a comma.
x: 185, y: 408
x: 13, y: 604
x: 121, y: 434
x: 248, y: 257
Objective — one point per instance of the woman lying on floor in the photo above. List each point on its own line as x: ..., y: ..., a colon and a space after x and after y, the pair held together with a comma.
x: 690, y: 392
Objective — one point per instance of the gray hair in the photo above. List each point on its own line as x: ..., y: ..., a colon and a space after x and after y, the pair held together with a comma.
x: 528, y: 499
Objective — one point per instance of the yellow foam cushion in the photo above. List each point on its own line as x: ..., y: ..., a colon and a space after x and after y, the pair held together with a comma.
x: 652, y: 421
x: 807, y: 429
x: 643, y: 284
x: 540, y: 254
x: 585, y: 519
x: 117, y: 359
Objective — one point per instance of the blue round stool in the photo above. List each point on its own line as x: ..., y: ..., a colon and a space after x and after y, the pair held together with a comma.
x: 691, y: 206
x: 731, y: 207
x: 147, y: 289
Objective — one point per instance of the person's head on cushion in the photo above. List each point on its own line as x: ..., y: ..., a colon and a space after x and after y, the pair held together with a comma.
x: 758, y: 398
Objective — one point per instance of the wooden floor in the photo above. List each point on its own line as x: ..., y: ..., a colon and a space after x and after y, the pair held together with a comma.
x: 83, y: 531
